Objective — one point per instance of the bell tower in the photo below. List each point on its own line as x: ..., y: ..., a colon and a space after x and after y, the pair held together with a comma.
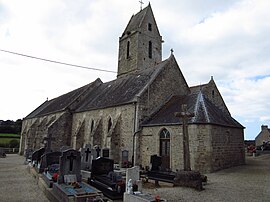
x: 140, y: 46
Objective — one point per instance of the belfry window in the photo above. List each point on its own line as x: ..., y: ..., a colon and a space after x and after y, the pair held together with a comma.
x: 128, y: 47
x: 150, y: 49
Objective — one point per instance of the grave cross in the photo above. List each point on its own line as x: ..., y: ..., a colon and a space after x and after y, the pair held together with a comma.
x: 185, y: 115
x: 88, y: 151
x: 48, y: 143
x: 98, y: 151
x: 71, y: 157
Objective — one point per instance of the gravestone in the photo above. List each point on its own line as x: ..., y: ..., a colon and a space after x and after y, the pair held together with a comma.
x: 65, y: 147
x: 106, y: 152
x: 94, y: 154
x: 49, y: 167
x: 87, y: 158
x: 2, y: 152
x: 36, y: 157
x: 105, y: 179
x: 124, y: 158
x: 97, y: 151
x: 133, y: 176
x: 28, y: 154
x: 69, y: 186
x: 70, y: 164
x: 157, y: 173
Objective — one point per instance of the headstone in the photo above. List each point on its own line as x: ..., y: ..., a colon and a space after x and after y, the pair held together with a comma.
x: 98, y: 151
x: 2, y: 152
x: 133, y: 176
x: 87, y: 158
x: 48, y: 143
x: 106, y: 152
x: 48, y: 159
x: 94, y: 154
x: 65, y: 147
x: 70, y: 164
x: 36, y: 156
x: 124, y: 158
x: 102, y: 166
x: 156, y: 162
x: 69, y: 186
x: 105, y: 179
x: 28, y: 154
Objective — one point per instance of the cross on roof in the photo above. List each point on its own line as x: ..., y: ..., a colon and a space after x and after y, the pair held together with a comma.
x: 185, y: 115
x: 71, y: 157
x: 141, y: 2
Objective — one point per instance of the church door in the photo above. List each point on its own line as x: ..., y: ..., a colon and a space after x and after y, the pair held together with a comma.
x: 165, y: 148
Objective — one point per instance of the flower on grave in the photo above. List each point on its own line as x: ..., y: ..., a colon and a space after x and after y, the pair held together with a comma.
x: 55, y: 177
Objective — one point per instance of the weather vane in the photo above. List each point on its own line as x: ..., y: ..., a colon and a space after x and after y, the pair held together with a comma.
x: 141, y: 2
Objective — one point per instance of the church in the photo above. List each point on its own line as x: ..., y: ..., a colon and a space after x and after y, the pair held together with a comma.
x: 135, y: 113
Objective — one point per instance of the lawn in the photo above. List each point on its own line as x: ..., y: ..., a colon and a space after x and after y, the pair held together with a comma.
x: 9, y: 140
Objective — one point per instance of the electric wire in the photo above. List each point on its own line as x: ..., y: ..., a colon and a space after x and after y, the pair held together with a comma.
x: 57, y: 62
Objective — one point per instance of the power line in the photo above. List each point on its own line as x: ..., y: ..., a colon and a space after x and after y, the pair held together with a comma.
x: 53, y: 61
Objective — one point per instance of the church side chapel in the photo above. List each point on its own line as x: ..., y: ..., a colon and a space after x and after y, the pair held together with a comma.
x: 135, y: 113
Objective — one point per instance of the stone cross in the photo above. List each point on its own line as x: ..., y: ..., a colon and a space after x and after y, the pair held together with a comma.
x: 48, y: 143
x: 185, y: 115
x: 141, y: 2
x: 88, y: 151
x: 98, y: 151
x: 71, y: 158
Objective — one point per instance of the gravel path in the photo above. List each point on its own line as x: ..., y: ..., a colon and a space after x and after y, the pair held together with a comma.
x: 16, y: 184
x: 248, y: 183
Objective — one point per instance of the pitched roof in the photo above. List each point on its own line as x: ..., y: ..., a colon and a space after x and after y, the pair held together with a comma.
x: 204, y: 110
x: 120, y: 91
x: 62, y: 102
x: 136, y: 20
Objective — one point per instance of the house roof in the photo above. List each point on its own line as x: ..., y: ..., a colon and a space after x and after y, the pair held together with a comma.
x: 205, y: 112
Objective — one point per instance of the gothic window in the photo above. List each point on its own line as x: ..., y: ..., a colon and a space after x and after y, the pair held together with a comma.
x: 164, y: 150
x: 92, y: 125
x: 149, y: 27
x: 150, y: 49
x: 128, y: 47
x: 109, y: 124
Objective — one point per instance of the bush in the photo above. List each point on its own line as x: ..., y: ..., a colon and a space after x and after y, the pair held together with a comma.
x: 14, y: 144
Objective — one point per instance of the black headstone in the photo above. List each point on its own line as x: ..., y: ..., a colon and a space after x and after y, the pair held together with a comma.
x: 102, y: 166
x: 48, y: 159
x: 156, y: 162
x: 106, y: 153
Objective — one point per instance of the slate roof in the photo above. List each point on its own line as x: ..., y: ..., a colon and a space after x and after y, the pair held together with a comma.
x: 98, y: 95
x: 120, y: 91
x: 204, y: 110
x: 60, y: 103
x: 136, y: 20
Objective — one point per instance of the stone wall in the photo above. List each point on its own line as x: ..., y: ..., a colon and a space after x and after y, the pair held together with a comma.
x: 211, y: 147
x: 116, y: 136
x: 228, y: 147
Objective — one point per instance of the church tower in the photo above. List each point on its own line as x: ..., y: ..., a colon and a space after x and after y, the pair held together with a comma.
x: 140, y: 46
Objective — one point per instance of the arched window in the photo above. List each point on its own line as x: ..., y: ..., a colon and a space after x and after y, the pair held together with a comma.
x: 164, y: 151
x: 150, y: 49
x: 109, y: 124
x: 92, y: 125
x: 128, y: 47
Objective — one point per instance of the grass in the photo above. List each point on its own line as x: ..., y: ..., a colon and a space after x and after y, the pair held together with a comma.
x: 9, y: 134
x: 7, y: 139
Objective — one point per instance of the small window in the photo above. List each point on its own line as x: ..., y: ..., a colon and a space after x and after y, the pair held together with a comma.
x: 128, y: 46
x: 213, y: 93
x: 149, y: 27
x: 150, y: 49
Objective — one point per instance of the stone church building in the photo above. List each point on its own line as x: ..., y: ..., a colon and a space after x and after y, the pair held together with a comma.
x: 135, y: 112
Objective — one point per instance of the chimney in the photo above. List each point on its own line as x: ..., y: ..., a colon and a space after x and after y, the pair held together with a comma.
x: 264, y: 127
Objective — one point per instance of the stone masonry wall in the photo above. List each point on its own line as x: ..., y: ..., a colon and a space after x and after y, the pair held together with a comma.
x: 124, y: 115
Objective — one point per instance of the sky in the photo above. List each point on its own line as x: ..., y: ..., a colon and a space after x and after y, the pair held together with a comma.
x: 226, y: 39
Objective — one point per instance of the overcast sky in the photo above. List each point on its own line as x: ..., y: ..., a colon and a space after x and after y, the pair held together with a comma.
x: 226, y: 39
